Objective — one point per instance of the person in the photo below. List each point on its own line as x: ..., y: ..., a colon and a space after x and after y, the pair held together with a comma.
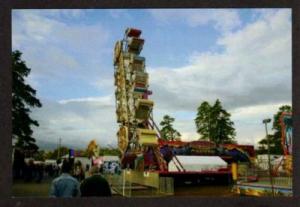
x: 19, y: 165
x: 65, y: 185
x: 78, y: 171
x: 39, y: 172
x: 87, y: 167
x: 95, y: 185
x: 29, y: 171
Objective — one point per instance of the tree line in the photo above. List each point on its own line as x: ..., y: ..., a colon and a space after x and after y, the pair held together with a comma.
x: 54, y: 154
x: 212, y: 123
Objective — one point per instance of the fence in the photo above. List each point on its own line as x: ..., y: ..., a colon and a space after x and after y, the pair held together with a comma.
x: 118, y: 184
x: 259, y: 172
x: 140, y: 184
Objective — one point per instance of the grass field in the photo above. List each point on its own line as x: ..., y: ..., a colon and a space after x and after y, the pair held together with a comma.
x: 31, y: 189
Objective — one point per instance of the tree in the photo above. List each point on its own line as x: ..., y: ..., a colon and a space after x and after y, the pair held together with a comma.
x: 110, y: 151
x: 263, y: 145
x: 167, y: 131
x: 213, y: 123
x: 23, y: 98
x: 203, y: 120
x: 39, y: 155
x: 275, y: 139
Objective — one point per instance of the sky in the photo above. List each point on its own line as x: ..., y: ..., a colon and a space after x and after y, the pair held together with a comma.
x: 240, y: 56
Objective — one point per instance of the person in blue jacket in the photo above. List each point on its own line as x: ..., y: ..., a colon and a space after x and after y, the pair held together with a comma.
x: 65, y: 185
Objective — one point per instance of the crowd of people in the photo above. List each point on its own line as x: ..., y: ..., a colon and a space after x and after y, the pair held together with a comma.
x: 34, y: 171
x: 67, y: 185
x: 69, y: 178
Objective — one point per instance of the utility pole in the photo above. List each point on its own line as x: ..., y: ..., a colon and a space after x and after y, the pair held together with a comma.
x: 266, y: 121
x: 58, y: 148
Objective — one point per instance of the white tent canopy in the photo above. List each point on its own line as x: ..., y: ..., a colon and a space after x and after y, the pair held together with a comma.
x: 107, y: 158
x: 196, y: 163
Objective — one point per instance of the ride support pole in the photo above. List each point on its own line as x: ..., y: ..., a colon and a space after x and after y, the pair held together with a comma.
x: 234, y: 172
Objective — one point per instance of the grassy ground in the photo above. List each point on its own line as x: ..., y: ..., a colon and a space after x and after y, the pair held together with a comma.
x: 220, y: 191
x: 31, y: 189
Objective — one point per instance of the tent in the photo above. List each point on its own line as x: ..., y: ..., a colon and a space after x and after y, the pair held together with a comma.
x: 196, y: 163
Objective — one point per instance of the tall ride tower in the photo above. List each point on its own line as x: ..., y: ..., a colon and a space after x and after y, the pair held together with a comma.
x: 137, y: 138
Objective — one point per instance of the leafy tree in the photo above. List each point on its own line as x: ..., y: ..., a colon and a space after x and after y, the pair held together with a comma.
x: 167, y: 131
x: 275, y: 139
x: 23, y: 98
x: 213, y: 123
x: 39, y: 155
x: 263, y: 145
x: 203, y: 120
x: 110, y: 151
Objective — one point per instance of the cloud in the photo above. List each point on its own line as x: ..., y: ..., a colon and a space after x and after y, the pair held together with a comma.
x: 254, y: 68
x: 224, y: 20
x: 63, y: 53
x: 248, y: 121
x: 70, y: 13
x: 105, y: 84
x: 52, y: 47
x: 256, y: 113
x: 251, y: 76
x: 77, y: 122
x: 119, y: 13
x: 103, y: 100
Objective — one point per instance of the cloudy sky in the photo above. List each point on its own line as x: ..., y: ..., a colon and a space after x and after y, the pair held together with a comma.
x: 240, y: 56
